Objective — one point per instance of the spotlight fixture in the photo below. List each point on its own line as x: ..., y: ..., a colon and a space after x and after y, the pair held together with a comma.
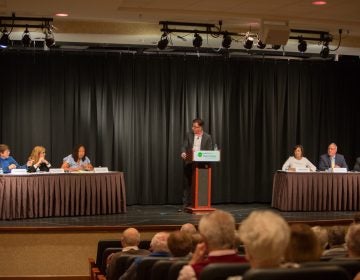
x: 260, y: 45
x: 197, y: 42
x: 248, y: 41
x: 276, y: 47
x: 226, y: 42
x: 302, y: 45
x: 324, y: 53
x: 26, y: 39
x: 49, y: 38
x: 164, y: 41
x: 4, y: 40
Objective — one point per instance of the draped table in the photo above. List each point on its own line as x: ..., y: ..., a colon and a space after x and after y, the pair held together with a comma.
x: 67, y: 194
x: 316, y: 191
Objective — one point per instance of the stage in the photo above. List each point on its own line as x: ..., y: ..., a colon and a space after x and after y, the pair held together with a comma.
x: 163, y: 217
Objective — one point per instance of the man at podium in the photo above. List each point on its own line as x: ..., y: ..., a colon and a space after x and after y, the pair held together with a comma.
x: 194, y: 141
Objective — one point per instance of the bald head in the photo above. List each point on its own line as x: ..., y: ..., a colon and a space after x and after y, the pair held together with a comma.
x: 189, y: 228
x: 130, y: 237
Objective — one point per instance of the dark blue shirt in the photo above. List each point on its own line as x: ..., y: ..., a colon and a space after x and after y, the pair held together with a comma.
x: 5, y: 162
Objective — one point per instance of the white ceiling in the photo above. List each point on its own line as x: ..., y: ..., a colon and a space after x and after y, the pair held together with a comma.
x: 136, y: 21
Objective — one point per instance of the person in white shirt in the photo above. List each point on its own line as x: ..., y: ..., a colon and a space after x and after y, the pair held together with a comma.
x: 298, y: 161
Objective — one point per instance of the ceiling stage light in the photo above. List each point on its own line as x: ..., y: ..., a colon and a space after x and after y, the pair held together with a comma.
x: 162, y: 44
x: 226, y: 42
x: 197, y: 42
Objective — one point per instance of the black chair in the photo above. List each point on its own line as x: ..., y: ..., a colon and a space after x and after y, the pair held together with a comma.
x: 175, y: 269
x: 122, y: 264
x: 145, y: 266
x: 160, y: 269
x: 144, y: 244
x: 302, y: 273
x: 352, y: 266
x: 102, y: 245
x: 220, y: 271
x: 105, y: 255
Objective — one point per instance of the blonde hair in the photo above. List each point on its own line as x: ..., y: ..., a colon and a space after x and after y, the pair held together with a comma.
x: 35, y: 153
x: 266, y: 236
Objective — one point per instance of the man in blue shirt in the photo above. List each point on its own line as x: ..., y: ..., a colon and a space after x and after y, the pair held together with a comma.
x: 6, y: 161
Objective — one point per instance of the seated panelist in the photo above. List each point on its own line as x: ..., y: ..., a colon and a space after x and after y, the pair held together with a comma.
x: 332, y: 159
x: 298, y: 160
x: 7, y: 162
x: 77, y: 161
x: 357, y: 164
x: 37, y: 160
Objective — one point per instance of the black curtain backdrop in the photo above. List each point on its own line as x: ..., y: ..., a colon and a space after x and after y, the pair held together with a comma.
x: 132, y: 113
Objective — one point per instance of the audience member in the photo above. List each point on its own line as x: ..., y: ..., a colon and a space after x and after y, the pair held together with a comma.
x: 266, y: 236
x: 336, y: 237
x: 322, y: 235
x: 37, y: 160
x: 130, y: 241
x: 189, y: 228
x: 357, y: 164
x: 196, y: 239
x: 304, y: 246
x: 332, y: 159
x: 77, y: 160
x: 298, y: 160
x: 7, y: 162
x: 352, y: 240
x: 218, y: 231
x: 180, y: 244
x: 158, y: 248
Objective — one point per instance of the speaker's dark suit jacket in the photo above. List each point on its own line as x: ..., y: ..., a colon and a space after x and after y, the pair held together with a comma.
x: 206, y: 142
x: 325, y: 161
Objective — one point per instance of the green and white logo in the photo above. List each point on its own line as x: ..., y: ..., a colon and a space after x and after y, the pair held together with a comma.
x: 200, y: 154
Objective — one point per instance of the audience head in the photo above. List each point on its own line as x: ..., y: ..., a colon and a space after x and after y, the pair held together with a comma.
x: 336, y: 236
x: 266, y: 236
x: 79, y: 152
x: 332, y: 149
x: 179, y: 243
x: 4, y: 151
x: 356, y: 218
x: 130, y: 237
x: 189, y: 228
x: 36, y: 153
x: 298, y: 151
x: 322, y: 235
x: 196, y: 239
x: 159, y: 242
x: 304, y: 246
x: 218, y: 230
x: 353, y: 241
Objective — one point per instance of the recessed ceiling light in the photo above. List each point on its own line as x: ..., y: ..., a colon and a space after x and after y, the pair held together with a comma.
x: 61, y: 15
x: 319, y: 3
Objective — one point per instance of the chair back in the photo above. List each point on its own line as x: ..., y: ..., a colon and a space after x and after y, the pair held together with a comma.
x: 102, y: 245
x: 107, y: 252
x: 122, y: 263
x: 160, y: 269
x: 352, y: 266
x: 220, y: 271
x: 145, y: 266
x: 175, y: 269
x: 308, y: 273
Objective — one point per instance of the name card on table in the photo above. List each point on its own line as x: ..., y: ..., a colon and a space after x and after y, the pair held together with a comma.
x: 101, y: 169
x: 338, y: 170
x: 56, y: 170
x: 302, y: 169
x: 207, y: 156
x: 18, y: 171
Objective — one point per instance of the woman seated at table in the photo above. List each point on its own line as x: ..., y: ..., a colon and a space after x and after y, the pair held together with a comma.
x: 77, y: 160
x: 37, y: 160
x: 298, y: 160
x: 7, y: 163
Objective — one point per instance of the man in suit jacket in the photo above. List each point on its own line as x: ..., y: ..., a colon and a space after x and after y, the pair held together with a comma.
x: 194, y: 141
x: 332, y: 159
x: 130, y: 241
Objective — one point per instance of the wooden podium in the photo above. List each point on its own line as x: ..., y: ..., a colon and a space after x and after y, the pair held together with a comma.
x: 201, y: 181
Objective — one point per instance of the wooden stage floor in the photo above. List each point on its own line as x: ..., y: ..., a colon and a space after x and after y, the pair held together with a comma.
x: 163, y: 217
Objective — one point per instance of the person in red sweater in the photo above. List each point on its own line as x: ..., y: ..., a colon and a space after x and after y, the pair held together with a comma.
x: 218, y: 231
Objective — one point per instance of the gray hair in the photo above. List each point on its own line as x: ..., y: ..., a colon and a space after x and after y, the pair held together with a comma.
x: 130, y: 237
x: 353, y: 240
x: 159, y: 242
x: 218, y: 229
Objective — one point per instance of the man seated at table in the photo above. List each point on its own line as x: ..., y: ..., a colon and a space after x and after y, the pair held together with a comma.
x: 332, y: 159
